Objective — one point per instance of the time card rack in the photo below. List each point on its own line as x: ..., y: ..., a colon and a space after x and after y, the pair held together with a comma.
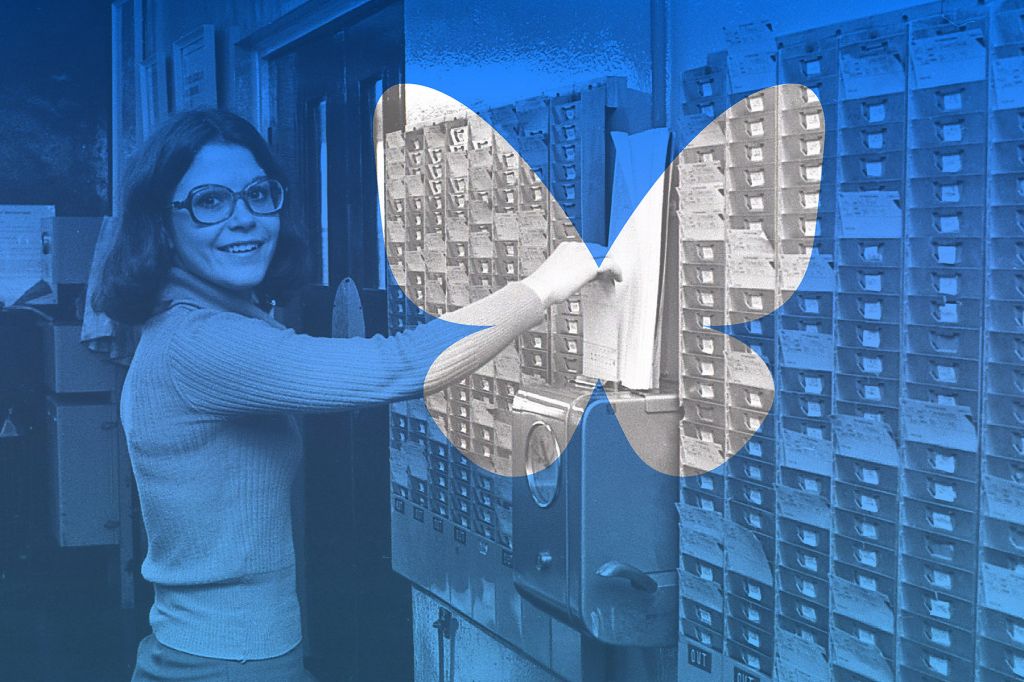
x: 872, y: 528
x: 467, y: 212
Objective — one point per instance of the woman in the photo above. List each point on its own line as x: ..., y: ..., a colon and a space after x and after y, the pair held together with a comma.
x: 209, y: 401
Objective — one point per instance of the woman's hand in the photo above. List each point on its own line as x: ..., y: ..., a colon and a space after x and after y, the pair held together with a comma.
x: 566, y: 270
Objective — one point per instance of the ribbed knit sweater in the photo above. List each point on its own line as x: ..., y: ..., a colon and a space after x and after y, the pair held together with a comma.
x: 209, y: 409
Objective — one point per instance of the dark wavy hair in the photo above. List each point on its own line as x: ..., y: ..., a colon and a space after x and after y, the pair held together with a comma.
x: 136, y: 269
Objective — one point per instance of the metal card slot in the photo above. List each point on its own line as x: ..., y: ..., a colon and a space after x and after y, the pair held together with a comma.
x: 933, y: 662
x: 751, y: 518
x: 932, y: 544
x: 865, y: 556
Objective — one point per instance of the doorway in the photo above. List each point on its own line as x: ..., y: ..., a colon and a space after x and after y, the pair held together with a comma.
x: 357, y: 612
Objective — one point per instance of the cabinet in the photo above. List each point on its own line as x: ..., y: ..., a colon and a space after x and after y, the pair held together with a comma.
x: 82, y: 454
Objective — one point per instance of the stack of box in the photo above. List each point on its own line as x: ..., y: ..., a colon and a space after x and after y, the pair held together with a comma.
x: 920, y: 236
x: 697, y: 205
x: 943, y: 282
x: 1000, y: 617
x: 466, y: 212
x: 571, y: 115
x: 754, y: 534
x: 869, y: 255
x: 806, y: 365
x: 706, y: 89
x: 753, y: 208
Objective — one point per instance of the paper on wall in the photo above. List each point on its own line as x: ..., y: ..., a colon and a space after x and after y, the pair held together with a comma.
x: 867, y: 606
x: 701, y: 591
x: 806, y: 350
x: 749, y: 269
x: 804, y: 507
x: 1008, y: 82
x: 745, y: 367
x: 798, y: 660
x: 868, y: 75
x: 818, y: 276
x: 24, y: 263
x: 871, y: 214
x: 699, y: 456
x: 701, y: 199
x: 745, y: 555
x: 1001, y: 589
x: 859, y: 656
x: 1001, y: 498
x: 947, y: 426
x: 948, y: 58
x: 702, y: 545
x: 806, y: 453
x: 865, y: 439
x: 701, y: 226
x: 751, y: 58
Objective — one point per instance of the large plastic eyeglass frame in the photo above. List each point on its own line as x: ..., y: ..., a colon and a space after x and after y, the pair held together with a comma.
x: 186, y: 203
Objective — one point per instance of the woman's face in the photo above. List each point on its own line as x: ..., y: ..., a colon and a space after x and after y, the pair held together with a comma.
x: 236, y: 252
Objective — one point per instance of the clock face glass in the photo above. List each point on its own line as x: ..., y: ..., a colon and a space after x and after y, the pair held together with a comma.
x: 542, y: 464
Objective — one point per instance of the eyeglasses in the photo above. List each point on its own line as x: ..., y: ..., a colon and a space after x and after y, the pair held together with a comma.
x: 211, y: 204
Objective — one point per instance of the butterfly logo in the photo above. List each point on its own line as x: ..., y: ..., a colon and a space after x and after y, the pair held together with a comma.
x: 739, y: 204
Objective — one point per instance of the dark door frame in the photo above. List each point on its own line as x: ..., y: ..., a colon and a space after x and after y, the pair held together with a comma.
x: 357, y: 612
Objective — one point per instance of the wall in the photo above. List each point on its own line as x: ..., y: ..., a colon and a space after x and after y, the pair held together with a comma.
x: 490, y: 53
x: 55, y: 108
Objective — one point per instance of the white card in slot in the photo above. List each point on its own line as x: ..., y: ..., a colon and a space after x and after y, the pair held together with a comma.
x: 948, y: 285
x: 952, y: 132
x: 948, y: 313
x: 1008, y: 82
x: 871, y: 338
x: 875, y: 112
x: 947, y: 254
x: 949, y: 223
x: 946, y: 374
x: 872, y: 310
x: 952, y: 101
x: 811, y: 146
x: 872, y: 282
x: 950, y: 192
x: 951, y: 163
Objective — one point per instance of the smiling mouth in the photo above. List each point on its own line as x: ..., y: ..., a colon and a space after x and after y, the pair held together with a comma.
x: 241, y: 247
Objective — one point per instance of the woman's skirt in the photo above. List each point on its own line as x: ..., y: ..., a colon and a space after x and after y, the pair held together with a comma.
x: 158, y: 663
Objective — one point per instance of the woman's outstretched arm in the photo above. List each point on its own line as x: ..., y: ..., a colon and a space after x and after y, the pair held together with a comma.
x: 223, y: 363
